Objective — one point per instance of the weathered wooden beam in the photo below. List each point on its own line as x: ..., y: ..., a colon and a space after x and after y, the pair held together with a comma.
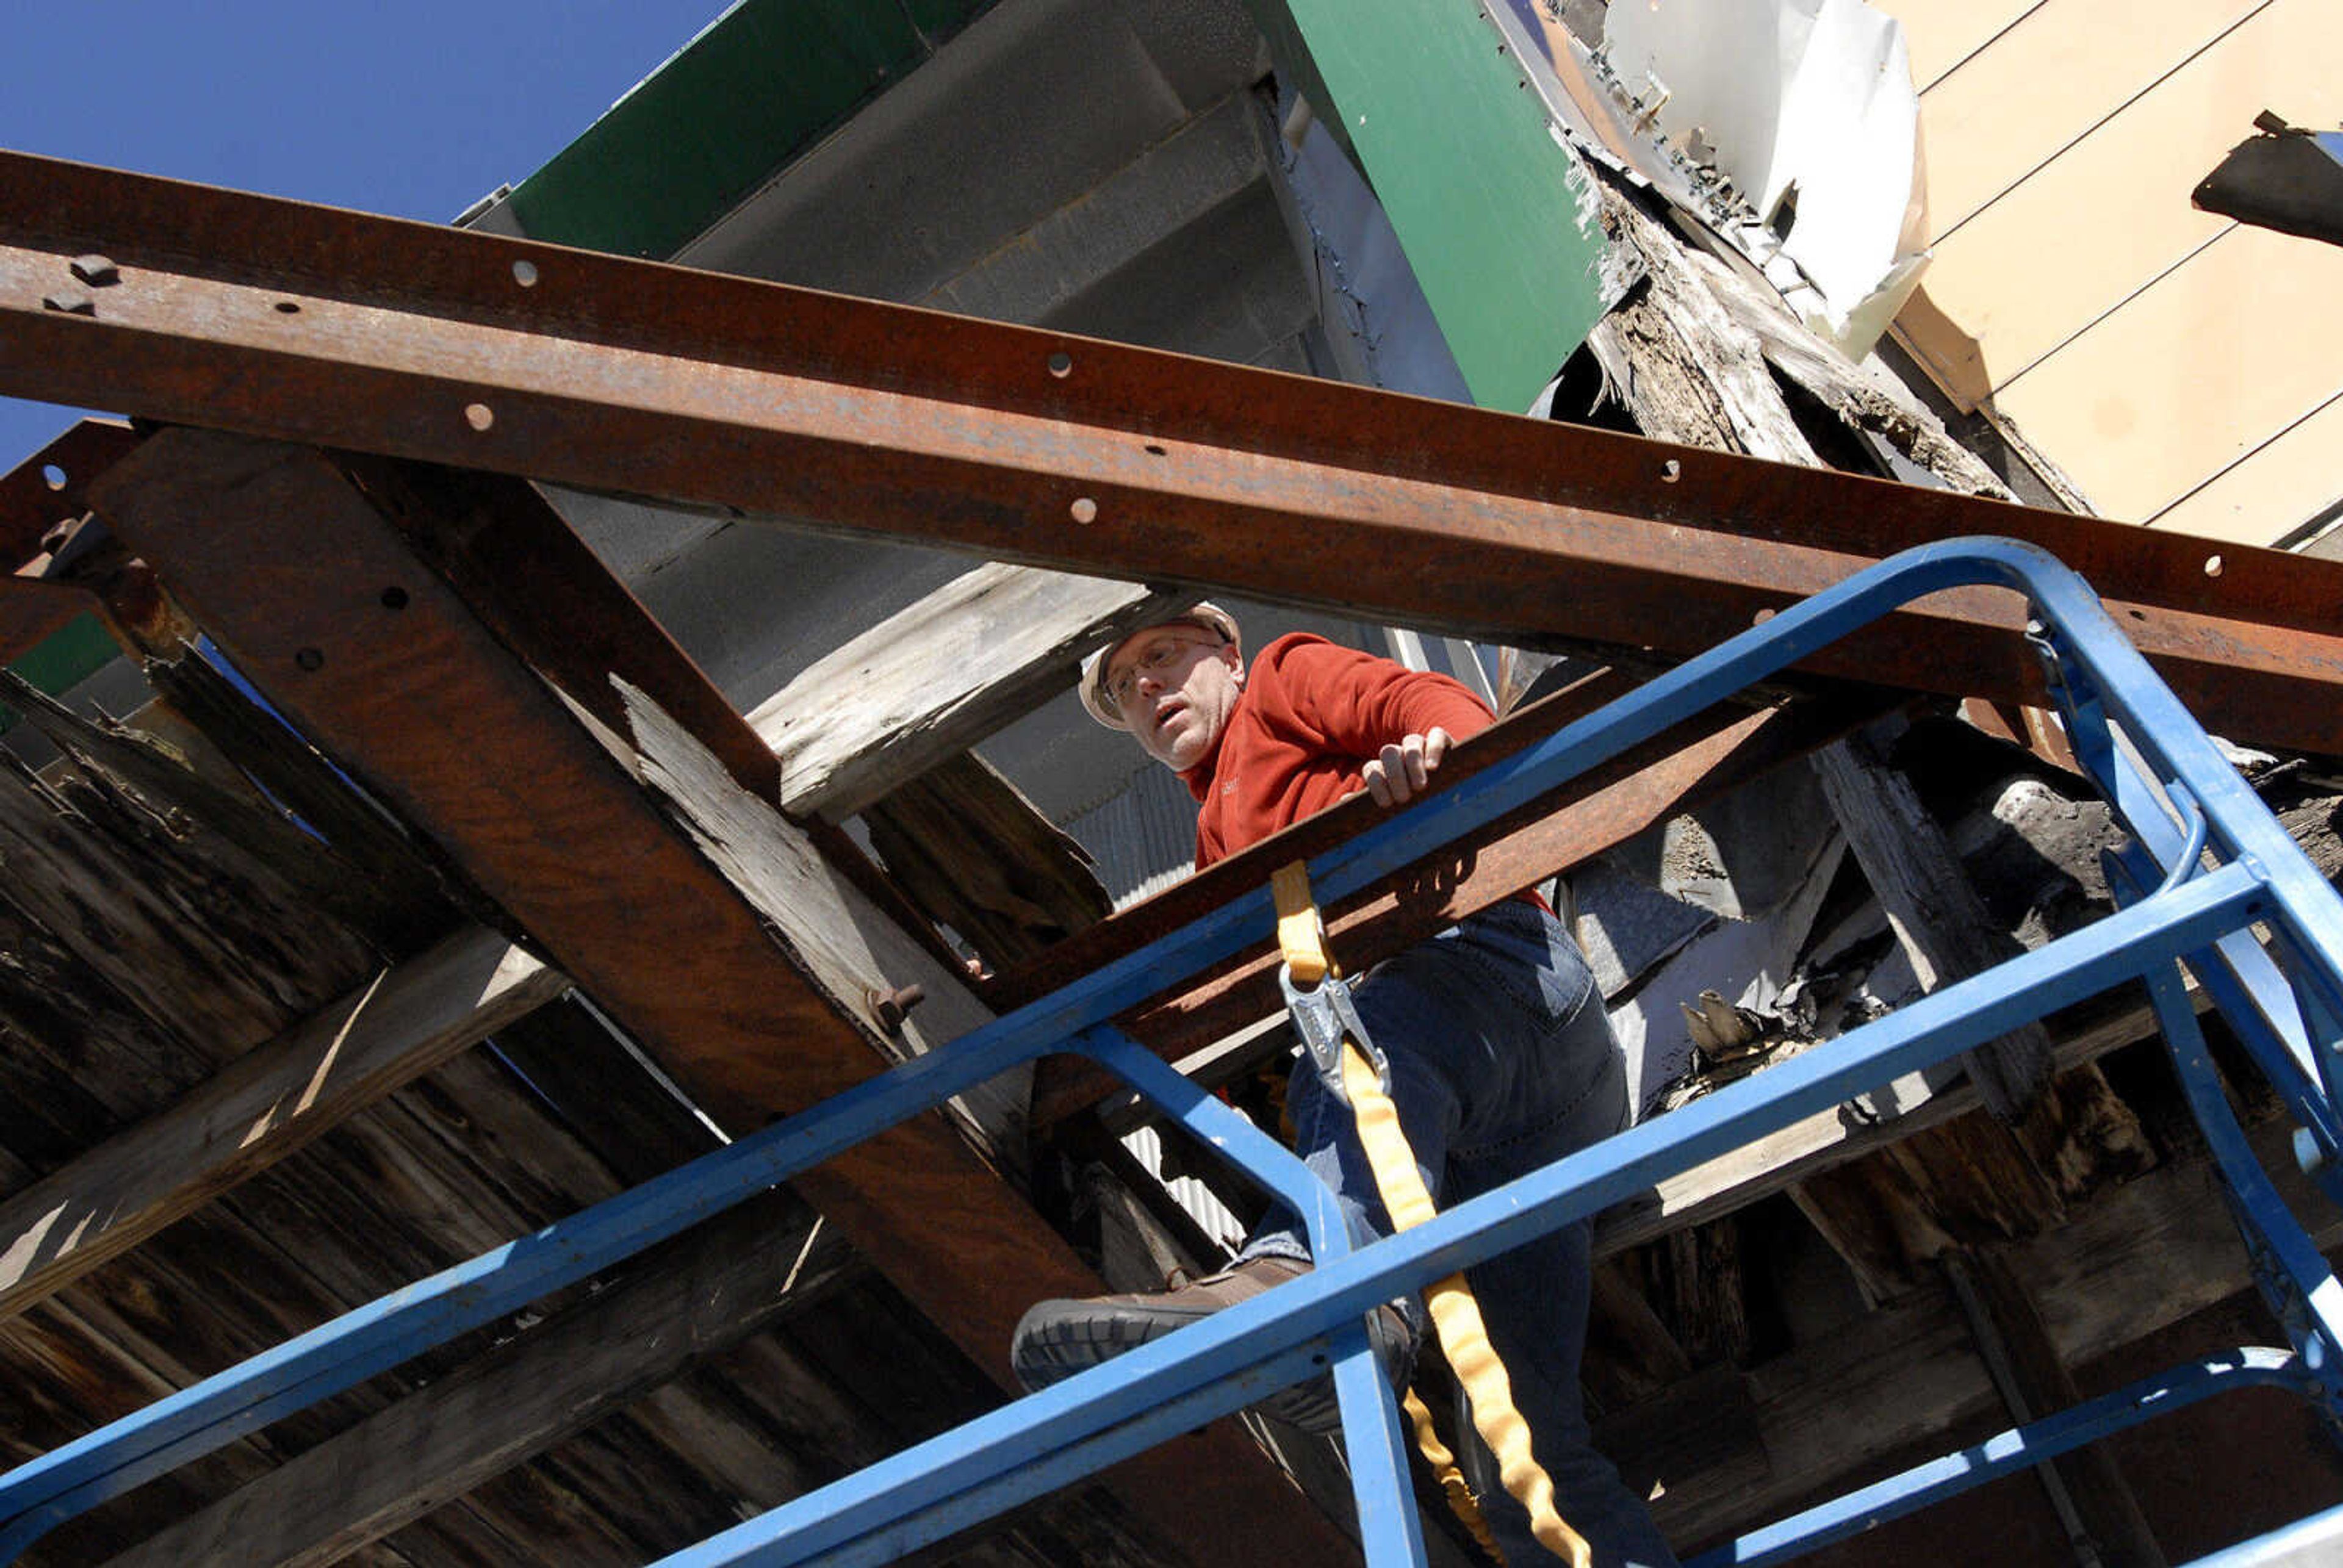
x: 263, y: 1106
x: 1938, y: 916
x: 290, y: 567
x: 845, y: 949
x: 966, y: 846
x: 2136, y: 1259
x: 1019, y: 444
x: 1827, y: 1139
x: 2089, y: 1494
x: 933, y: 680
x: 760, y: 1264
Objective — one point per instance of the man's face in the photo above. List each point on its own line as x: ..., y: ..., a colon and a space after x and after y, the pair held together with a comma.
x: 1175, y: 686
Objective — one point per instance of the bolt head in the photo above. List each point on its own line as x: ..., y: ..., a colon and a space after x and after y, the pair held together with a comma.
x: 69, y: 302
x: 98, y: 271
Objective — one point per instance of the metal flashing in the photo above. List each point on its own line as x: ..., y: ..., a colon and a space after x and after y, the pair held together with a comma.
x: 761, y: 84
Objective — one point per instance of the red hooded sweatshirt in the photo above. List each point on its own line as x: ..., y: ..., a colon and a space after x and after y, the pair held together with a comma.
x: 1313, y: 714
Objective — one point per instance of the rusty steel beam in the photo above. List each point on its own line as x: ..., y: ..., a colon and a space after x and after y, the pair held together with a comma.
x: 42, y: 501
x: 269, y: 317
x: 52, y: 486
x: 547, y: 596
x: 327, y: 607
x: 40, y: 497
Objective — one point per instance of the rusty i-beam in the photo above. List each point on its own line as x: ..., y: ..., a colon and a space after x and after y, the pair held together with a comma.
x: 302, y: 323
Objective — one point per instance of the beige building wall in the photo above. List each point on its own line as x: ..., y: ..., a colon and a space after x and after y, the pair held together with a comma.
x: 2183, y: 370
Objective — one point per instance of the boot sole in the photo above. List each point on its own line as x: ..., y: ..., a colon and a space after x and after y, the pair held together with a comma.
x: 1056, y: 1340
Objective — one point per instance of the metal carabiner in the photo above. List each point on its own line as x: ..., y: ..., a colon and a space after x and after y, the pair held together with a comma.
x: 1322, y: 1016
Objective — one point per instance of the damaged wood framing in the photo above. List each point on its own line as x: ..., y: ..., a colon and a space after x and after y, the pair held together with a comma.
x: 756, y: 1008
x: 299, y: 323
x: 1026, y: 446
x: 769, y: 1260
x: 262, y: 1107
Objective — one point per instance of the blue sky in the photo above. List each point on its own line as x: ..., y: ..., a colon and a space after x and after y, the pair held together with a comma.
x: 415, y: 109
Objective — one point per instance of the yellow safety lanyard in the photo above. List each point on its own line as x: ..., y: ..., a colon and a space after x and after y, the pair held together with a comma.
x: 1355, y: 1070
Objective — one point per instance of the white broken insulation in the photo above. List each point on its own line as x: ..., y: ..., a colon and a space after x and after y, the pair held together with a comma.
x: 1789, y: 128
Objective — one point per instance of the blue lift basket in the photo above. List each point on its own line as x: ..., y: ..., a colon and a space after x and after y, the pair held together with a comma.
x: 2209, y: 879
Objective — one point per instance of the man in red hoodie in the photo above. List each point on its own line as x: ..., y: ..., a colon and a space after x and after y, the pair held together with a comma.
x: 1502, y: 1058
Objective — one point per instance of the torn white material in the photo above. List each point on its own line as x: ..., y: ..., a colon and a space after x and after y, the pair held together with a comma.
x: 1806, y: 108
x: 1809, y: 108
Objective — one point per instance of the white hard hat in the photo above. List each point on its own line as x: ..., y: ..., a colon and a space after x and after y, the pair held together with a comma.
x: 1207, y: 616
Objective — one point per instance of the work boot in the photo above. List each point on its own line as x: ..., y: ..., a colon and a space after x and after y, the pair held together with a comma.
x: 1055, y: 1340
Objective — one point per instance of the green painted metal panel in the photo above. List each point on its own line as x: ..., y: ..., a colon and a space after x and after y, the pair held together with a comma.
x: 762, y: 83
x: 64, y: 660
x: 1487, y: 203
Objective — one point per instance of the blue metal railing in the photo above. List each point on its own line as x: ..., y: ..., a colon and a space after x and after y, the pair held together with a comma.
x: 2208, y: 864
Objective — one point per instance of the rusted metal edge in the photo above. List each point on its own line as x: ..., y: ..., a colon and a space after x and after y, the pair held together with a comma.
x: 52, y: 486
x: 42, y: 494
x: 272, y: 318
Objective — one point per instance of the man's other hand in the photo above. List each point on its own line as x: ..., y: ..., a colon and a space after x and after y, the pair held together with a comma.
x: 1405, y: 767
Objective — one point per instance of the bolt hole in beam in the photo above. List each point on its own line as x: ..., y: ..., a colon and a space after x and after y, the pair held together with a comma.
x: 1061, y: 364
x: 1153, y: 450
x: 393, y: 598
x: 53, y: 475
x: 479, y: 416
x: 1671, y: 471
x: 310, y: 659
x: 286, y: 308
x: 1084, y: 510
x: 2212, y: 565
x: 525, y: 273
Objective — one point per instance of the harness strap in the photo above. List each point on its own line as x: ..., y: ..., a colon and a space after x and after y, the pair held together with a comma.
x: 1456, y: 1315
x: 1445, y: 1470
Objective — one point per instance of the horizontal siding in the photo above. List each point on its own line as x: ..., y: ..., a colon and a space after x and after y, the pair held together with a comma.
x: 2203, y: 367
x: 2272, y: 490
x: 2112, y: 216
x: 2179, y: 367
x: 2046, y: 82
x: 1941, y: 33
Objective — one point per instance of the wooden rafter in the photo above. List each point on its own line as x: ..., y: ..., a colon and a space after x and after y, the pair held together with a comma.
x: 412, y: 692
x: 263, y: 1106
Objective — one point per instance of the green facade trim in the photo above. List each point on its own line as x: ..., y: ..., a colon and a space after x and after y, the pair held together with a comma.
x: 764, y: 82
x: 63, y: 661
x: 1493, y: 212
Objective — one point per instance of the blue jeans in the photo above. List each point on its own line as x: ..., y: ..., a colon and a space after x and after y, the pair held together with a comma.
x: 1502, y: 1061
